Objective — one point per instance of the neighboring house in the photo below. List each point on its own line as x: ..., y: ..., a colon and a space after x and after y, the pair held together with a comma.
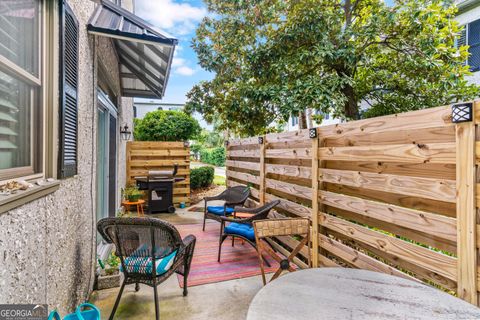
x: 68, y: 72
x: 469, y: 16
x: 141, y: 108
x: 328, y: 119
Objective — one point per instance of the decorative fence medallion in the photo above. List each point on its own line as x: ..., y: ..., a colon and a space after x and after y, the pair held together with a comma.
x: 312, y: 133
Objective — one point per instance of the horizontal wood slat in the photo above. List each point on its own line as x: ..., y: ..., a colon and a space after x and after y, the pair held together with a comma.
x: 357, y: 258
x: 242, y: 142
x: 243, y: 165
x: 287, y: 136
x: 289, y: 188
x: 433, y: 153
x: 435, y: 189
x: 290, y: 206
x: 293, y: 153
x: 244, y: 153
x: 421, y: 136
x: 414, y: 120
x: 291, y: 171
x: 427, y: 259
x: 426, y: 170
x: 437, y: 225
x: 247, y: 177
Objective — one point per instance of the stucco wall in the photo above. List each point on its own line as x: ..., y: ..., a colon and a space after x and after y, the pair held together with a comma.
x: 47, y: 247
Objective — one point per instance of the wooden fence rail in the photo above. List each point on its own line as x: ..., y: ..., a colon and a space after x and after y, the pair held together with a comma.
x: 394, y: 194
x: 143, y: 156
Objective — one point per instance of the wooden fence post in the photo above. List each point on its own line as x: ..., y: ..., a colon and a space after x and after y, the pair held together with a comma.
x: 466, y: 207
x: 261, y: 141
x: 314, y: 137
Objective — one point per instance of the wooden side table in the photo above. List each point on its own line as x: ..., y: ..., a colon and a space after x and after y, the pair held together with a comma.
x: 138, y: 203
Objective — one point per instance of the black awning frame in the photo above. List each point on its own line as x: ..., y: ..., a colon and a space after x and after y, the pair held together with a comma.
x: 129, y: 31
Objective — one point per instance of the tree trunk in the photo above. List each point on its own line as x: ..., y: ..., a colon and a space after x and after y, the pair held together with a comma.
x: 309, y: 117
x: 351, y: 106
x: 302, y: 120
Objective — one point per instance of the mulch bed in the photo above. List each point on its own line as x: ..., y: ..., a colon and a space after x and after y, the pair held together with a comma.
x: 197, y: 195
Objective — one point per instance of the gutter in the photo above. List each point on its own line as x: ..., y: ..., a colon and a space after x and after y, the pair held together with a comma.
x: 467, y: 5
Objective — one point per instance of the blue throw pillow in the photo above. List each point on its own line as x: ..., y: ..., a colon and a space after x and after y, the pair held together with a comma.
x: 139, y: 262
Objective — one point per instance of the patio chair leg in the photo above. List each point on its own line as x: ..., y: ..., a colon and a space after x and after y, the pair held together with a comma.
x: 233, y: 241
x: 185, y: 289
x: 157, y: 311
x: 115, y: 306
x: 220, y: 247
x: 204, y: 218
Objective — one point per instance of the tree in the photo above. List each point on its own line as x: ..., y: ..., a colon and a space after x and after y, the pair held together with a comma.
x: 163, y: 125
x: 275, y: 58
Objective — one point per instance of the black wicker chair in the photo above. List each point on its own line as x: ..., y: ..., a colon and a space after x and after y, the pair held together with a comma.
x: 242, y: 228
x: 138, y: 242
x: 232, y: 196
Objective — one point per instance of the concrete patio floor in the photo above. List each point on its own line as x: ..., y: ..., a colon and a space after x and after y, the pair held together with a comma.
x: 222, y: 300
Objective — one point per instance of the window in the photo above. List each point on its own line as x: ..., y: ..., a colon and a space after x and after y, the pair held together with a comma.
x: 20, y: 88
x: 471, y: 36
x: 294, y: 121
x: 326, y: 116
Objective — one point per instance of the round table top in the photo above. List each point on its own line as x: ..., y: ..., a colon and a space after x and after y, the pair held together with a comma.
x: 132, y: 203
x: 341, y: 293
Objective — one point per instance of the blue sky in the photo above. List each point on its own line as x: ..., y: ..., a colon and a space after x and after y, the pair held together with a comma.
x: 179, y: 19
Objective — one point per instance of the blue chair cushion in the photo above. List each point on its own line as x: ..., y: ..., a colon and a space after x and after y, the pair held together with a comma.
x: 218, y: 210
x: 241, y: 229
x: 139, y: 262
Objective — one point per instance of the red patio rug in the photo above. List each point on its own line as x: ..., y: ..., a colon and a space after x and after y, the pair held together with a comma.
x: 236, y: 262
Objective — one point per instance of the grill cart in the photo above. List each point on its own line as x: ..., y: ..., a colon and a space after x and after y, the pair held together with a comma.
x: 159, y: 185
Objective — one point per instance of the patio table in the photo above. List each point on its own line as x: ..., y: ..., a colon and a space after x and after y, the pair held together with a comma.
x: 341, y: 293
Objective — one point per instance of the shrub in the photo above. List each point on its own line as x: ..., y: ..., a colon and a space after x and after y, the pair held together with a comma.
x: 201, y: 177
x: 215, y: 156
x: 161, y: 125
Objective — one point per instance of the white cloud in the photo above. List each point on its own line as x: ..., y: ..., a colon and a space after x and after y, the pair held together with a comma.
x: 184, y: 71
x: 177, y: 18
x: 178, y: 62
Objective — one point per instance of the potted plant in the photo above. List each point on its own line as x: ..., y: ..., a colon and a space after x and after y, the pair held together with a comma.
x: 132, y: 193
x: 109, y: 276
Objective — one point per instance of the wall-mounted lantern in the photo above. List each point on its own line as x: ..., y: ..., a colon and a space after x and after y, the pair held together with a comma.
x: 312, y: 133
x: 462, y: 112
x: 125, y: 132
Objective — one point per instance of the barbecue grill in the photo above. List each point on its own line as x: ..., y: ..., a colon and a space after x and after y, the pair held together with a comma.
x: 159, y: 185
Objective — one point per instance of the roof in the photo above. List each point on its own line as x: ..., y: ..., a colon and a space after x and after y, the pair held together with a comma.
x: 466, y: 5
x: 145, y: 53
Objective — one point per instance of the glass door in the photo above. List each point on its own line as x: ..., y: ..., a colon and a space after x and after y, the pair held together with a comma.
x: 106, y: 157
x: 102, y: 163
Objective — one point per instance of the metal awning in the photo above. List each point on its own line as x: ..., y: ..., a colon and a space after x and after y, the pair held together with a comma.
x: 145, y: 54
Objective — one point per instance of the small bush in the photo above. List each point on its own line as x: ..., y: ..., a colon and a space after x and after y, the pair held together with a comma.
x: 201, y: 177
x: 215, y: 156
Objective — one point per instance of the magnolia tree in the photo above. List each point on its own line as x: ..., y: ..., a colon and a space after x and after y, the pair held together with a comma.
x: 275, y: 58
x: 163, y: 125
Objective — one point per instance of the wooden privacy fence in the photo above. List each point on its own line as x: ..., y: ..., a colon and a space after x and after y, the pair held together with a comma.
x: 143, y: 156
x: 393, y: 194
